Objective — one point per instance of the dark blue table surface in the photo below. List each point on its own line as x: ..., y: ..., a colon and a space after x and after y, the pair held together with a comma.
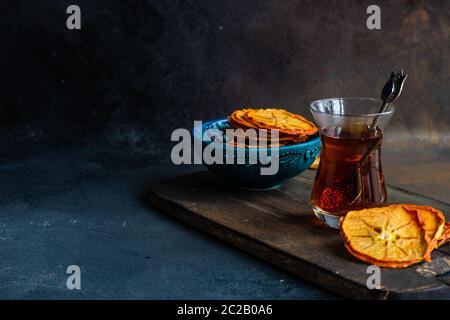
x: 87, y: 207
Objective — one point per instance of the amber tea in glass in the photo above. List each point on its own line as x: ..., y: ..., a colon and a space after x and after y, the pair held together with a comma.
x: 350, y: 175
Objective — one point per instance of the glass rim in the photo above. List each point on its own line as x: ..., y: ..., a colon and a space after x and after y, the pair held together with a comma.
x: 386, y: 113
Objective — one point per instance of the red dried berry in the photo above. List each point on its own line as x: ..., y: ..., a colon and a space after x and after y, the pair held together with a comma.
x: 333, y: 199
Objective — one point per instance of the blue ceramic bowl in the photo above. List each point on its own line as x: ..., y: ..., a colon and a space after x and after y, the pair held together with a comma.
x: 293, y: 160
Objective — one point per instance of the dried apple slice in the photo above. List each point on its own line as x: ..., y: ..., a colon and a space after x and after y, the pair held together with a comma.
x: 433, y: 222
x: 282, y: 120
x: 291, y: 128
x: 445, y: 235
x: 315, y: 164
x: 388, y: 236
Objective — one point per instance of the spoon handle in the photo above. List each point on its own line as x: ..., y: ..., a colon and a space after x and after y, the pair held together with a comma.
x: 381, y: 110
x: 383, y: 107
x: 391, y: 91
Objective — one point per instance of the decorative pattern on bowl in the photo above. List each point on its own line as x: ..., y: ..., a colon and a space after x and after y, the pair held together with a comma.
x: 293, y: 160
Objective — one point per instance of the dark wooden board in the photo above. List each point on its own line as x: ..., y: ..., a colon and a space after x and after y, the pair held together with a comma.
x: 279, y: 227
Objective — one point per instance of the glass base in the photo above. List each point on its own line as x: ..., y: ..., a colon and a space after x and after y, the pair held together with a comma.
x: 330, y: 219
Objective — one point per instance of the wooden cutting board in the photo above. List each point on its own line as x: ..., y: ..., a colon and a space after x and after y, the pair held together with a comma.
x: 279, y: 227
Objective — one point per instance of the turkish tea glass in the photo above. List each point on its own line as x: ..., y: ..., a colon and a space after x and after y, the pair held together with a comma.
x: 349, y: 176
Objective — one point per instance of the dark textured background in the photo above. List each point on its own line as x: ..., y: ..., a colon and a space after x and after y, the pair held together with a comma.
x: 138, y: 69
x: 86, y: 118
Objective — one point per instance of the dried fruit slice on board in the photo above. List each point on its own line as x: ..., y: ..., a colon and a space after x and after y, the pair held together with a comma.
x: 315, y: 164
x: 445, y: 235
x: 433, y: 222
x: 389, y: 236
